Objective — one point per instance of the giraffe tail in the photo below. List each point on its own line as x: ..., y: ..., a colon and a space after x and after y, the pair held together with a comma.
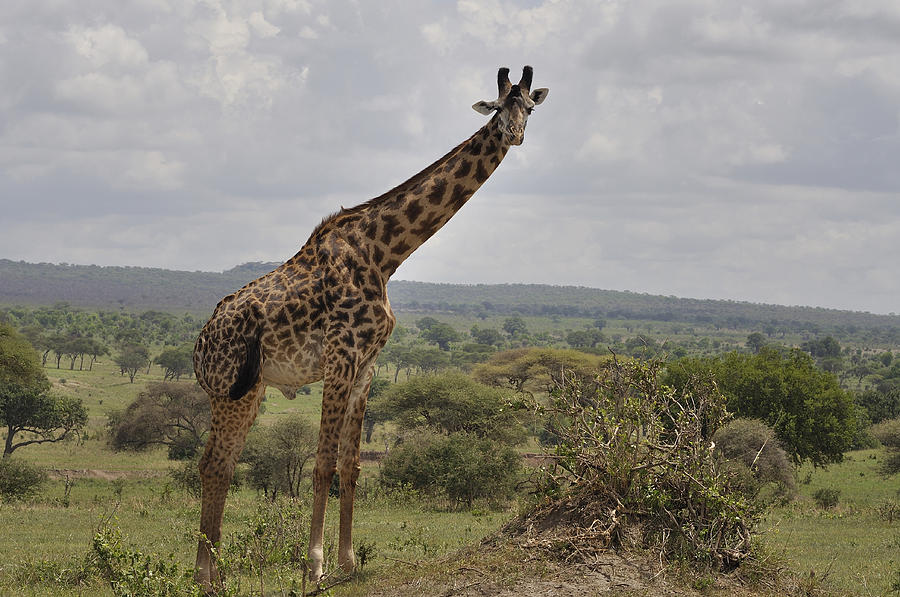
x: 248, y: 374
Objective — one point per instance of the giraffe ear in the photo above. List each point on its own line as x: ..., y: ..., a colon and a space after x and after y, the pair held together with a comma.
x: 485, y: 108
x: 539, y: 95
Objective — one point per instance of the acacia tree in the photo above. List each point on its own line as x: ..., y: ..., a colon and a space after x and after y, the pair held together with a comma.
x: 176, y: 361
x: 131, y: 359
x: 175, y: 415
x: 26, y: 406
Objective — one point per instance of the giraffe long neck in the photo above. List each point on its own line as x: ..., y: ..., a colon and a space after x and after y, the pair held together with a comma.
x: 398, y: 222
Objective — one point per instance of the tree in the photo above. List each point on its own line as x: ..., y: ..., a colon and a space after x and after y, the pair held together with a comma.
x: 534, y: 369
x: 756, y: 341
x: 450, y: 403
x: 26, y: 406
x: 515, y: 326
x: 880, y: 405
x: 813, y: 417
x: 131, y: 359
x: 278, y: 455
x: 169, y: 414
x: 441, y: 334
x: 584, y: 338
x: 489, y: 336
x: 430, y: 360
x: 425, y: 323
x: 176, y: 361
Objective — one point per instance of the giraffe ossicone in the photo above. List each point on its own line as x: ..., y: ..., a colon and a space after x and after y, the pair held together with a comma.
x: 325, y: 315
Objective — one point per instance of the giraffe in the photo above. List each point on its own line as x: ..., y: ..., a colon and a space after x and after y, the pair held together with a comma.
x: 325, y: 315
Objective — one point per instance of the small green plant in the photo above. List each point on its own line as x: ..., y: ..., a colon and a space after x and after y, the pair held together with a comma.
x: 889, y: 510
x: 827, y: 497
x: 365, y: 553
x: 134, y: 574
x: 19, y: 479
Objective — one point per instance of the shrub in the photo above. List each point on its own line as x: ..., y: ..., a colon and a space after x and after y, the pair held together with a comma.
x: 278, y: 455
x: 186, y: 477
x: 135, y: 574
x: 170, y: 414
x: 461, y: 467
x: 635, y: 468
x: 19, y: 479
x: 888, y: 433
x: 751, y: 444
x: 827, y: 498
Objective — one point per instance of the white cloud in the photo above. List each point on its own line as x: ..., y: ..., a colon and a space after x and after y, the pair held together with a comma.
x: 687, y: 147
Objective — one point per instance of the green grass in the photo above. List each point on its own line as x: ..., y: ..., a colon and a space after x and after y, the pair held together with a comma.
x: 856, y: 550
x: 851, y: 545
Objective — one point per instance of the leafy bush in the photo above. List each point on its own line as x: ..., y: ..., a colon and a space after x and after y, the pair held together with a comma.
x: 635, y: 468
x: 19, y: 479
x: 278, y: 455
x: 888, y: 433
x: 135, y: 574
x: 827, y: 497
x: 170, y: 414
x: 813, y: 417
x: 752, y: 444
x: 461, y: 467
x: 452, y: 403
x: 186, y: 477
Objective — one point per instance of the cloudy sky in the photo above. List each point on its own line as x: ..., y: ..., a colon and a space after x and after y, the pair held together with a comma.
x: 709, y: 149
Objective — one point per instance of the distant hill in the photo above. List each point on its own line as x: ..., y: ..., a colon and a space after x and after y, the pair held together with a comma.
x: 137, y: 288
x: 133, y: 288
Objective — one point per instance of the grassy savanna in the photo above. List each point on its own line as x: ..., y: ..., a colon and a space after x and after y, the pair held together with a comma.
x: 854, y: 546
x: 46, y: 539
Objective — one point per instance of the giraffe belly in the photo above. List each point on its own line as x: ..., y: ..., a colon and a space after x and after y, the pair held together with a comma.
x: 290, y: 372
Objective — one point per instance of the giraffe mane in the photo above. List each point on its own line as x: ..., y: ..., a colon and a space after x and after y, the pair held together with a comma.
x: 406, y: 185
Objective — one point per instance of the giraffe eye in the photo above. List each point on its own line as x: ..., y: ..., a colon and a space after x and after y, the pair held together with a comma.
x: 529, y: 110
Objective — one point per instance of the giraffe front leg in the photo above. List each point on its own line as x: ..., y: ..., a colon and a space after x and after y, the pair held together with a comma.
x: 349, y: 466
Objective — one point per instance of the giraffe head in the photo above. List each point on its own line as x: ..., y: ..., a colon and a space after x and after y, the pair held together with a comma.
x: 513, y: 104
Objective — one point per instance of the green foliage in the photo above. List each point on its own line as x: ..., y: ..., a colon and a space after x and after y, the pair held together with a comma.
x: 751, y: 445
x: 488, y: 336
x: 131, y: 573
x: 813, y: 417
x: 535, y: 369
x: 169, y: 414
x: 26, y: 406
x: 880, y: 404
x: 176, y: 361
x: 756, y: 341
x: 277, y: 455
x: 461, y: 467
x: 441, y: 334
x: 515, y: 326
x: 19, y: 479
x: 452, y: 403
x: 635, y: 465
x: 132, y: 358
x: 827, y: 497
x: 888, y: 433
x: 588, y: 338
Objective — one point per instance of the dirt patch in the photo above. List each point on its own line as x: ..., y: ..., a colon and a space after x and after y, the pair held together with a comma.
x: 92, y: 473
x: 505, y: 567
